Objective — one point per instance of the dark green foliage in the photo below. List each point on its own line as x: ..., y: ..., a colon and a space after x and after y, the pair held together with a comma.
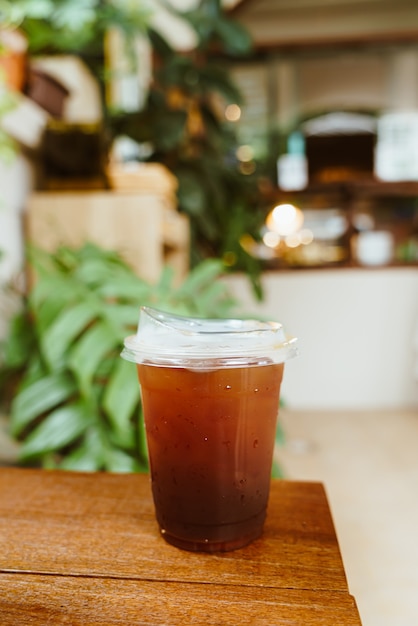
x: 183, y: 123
x: 72, y: 25
x: 181, y: 120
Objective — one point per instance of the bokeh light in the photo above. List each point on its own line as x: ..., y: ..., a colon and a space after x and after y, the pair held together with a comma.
x: 232, y: 113
x: 245, y: 153
x: 271, y: 239
x: 285, y: 219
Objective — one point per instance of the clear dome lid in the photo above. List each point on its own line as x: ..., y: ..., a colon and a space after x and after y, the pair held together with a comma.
x: 166, y: 339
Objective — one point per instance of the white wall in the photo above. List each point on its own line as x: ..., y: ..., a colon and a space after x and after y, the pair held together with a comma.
x: 15, y: 184
x: 16, y: 180
x: 356, y: 328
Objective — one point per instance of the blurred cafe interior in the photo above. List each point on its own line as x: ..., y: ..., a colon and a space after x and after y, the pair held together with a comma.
x: 326, y: 138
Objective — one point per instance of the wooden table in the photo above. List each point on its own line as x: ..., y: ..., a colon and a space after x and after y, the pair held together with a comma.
x: 84, y: 549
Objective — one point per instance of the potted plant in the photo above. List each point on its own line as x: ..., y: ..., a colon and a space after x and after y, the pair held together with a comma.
x: 73, y: 402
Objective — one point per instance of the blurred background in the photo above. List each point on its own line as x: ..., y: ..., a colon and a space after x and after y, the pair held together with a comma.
x: 254, y: 157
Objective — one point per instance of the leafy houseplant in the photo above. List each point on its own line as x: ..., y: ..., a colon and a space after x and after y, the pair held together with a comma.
x: 180, y: 124
x: 184, y: 124
x: 73, y: 27
x: 77, y: 26
x: 74, y: 403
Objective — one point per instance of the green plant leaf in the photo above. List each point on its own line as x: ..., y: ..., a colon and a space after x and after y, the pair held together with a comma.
x: 213, y: 300
x: 165, y: 281
x: 172, y: 128
x: 235, y: 37
x: 93, y: 271
x: 39, y: 397
x: 192, y: 193
x: 47, y: 285
x: 124, y: 287
x: 200, y: 277
x: 58, y: 337
x: 89, y: 351
x: 34, y: 369
x: 89, y: 456
x: 122, y: 316
x: 19, y: 341
x: 216, y: 79
x: 121, y: 397
x: 142, y: 441
x: 54, y: 295
x: 120, y: 462
x: 58, y: 429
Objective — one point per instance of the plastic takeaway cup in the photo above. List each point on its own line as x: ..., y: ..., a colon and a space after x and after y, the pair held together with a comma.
x: 210, y: 395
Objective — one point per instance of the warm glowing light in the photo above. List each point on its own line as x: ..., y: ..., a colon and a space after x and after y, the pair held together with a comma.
x: 247, y: 242
x: 247, y: 168
x: 271, y: 239
x: 306, y: 236
x: 229, y: 258
x: 285, y: 219
x: 293, y: 241
x: 245, y: 153
x: 232, y: 113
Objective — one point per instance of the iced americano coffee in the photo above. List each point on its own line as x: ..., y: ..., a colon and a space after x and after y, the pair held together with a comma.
x: 210, y: 394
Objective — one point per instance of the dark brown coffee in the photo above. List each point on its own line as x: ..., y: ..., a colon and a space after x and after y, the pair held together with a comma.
x: 210, y: 437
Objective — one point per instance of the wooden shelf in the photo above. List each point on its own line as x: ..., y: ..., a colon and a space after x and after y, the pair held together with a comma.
x: 357, y: 187
x: 390, y: 204
x: 377, y: 188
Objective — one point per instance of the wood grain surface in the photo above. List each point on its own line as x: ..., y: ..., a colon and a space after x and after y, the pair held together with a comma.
x: 85, y: 549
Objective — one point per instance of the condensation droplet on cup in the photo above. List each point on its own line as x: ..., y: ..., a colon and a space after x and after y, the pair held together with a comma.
x: 227, y: 387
